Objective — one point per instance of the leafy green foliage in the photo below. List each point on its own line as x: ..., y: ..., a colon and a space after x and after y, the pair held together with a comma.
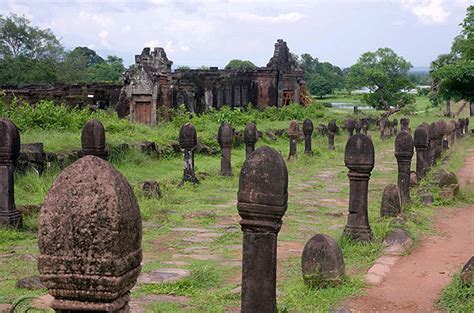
x: 453, y: 73
x: 236, y: 64
x: 386, y: 75
x: 322, y: 78
x: 29, y: 54
x: 457, y: 297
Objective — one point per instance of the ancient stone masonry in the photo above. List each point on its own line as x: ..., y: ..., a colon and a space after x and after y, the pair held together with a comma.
x: 405, y: 124
x: 9, y: 151
x: 391, y: 203
x: 150, y: 85
x: 92, y: 95
x: 262, y: 201
x: 225, y: 137
x: 308, y: 132
x: 404, y: 153
x: 187, y: 143
x: 89, y: 237
x: 350, y: 126
x: 332, y: 129
x: 250, y: 138
x: 93, y: 139
x: 293, y: 133
x: 422, y: 143
x: 322, y: 262
x: 359, y: 158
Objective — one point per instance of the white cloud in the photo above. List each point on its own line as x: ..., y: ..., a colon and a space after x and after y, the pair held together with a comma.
x: 96, y: 18
x: 427, y: 11
x: 276, y: 19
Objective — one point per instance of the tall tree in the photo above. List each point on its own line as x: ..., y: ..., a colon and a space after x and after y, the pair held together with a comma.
x: 385, y: 74
x: 453, y: 74
x: 322, y: 78
x: 240, y: 65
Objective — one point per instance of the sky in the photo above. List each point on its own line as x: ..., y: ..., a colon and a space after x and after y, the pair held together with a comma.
x: 212, y: 32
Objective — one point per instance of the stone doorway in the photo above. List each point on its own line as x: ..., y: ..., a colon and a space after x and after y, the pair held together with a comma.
x: 288, y: 97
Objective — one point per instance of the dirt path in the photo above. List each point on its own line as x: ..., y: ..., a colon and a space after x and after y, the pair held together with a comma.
x: 415, y: 282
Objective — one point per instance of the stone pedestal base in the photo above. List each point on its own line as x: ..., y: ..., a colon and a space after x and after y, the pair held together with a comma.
x: 11, y: 218
x: 358, y: 233
x: 120, y: 305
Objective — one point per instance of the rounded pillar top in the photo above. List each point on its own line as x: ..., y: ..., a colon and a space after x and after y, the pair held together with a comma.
x: 422, y: 136
x: 187, y: 136
x: 263, y: 186
x: 332, y: 126
x: 403, y: 145
x: 436, y: 131
x: 350, y: 124
x: 90, y: 228
x: 308, y: 127
x: 404, y: 121
x: 359, y: 155
x: 225, y: 135
x: 358, y: 125
x: 250, y: 134
x: 294, y: 129
x: 93, y: 136
x: 9, y: 141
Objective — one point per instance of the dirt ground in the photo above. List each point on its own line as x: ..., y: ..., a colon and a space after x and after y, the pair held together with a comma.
x: 416, y: 281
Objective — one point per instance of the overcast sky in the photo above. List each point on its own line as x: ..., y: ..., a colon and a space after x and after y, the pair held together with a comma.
x: 212, y: 32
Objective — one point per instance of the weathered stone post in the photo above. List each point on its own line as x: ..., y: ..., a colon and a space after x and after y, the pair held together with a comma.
x: 441, y: 129
x: 358, y: 125
x: 89, y: 239
x: 261, y: 201
x: 250, y: 138
x: 466, y: 125
x: 422, y: 142
x: 332, y: 129
x: 293, y: 133
x: 382, y: 125
x: 457, y: 129
x: 350, y: 126
x: 365, y: 126
x: 93, y: 139
x: 9, y: 151
x: 224, y: 137
x: 395, y: 126
x: 404, y: 153
x: 461, y: 126
x: 405, y: 124
x: 187, y: 143
x: 450, y: 132
x: 308, y: 132
x: 391, y: 203
x: 359, y: 157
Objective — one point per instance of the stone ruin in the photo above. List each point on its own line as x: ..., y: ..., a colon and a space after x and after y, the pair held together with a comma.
x: 187, y: 143
x: 262, y: 201
x: 93, y: 139
x: 308, y: 132
x: 9, y: 151
x: 151, y: 85
x: 359, y: 158
x: 404, y: 154
x: 225, y: 136
x: 250, y: 138
x: 293, y: 133
x: 89, y: 238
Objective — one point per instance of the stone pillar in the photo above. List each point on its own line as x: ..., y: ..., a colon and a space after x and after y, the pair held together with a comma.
x: 261, y: 201
x: 250, y: 138
x: 466, y: 125
x: 404, y: 153
x: 450, y: 132
x: 359, y: 158
x: 457, y: 129
x: 422, y: 142
x: 461, y: 126
x: 308, y: 132
x: 89, y: 239
x: 405, y: 124
x: 208, y: 96
x: 332, y: 129
x: 93, y: 139
x: 391, y: 203
x: 394, y: 126
x: 187, y: 143
x: 358, y: 126
x: 293, y: 133
x: 350, y: 126
x: 9, y: 151
x: 441, y: 129
x: 365, y: 126
x: 224, y: 137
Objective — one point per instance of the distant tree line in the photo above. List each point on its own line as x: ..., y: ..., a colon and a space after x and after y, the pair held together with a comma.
x: 29, y: 54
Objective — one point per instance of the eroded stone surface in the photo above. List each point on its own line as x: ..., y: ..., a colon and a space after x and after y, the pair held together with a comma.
x: 163, y: 275
x: 391, y: 203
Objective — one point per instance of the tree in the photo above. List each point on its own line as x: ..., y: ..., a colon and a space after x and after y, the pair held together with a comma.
x: 322, y: 78
x: 109, y: 71
x: 27, y: 54
x: 386, y: 75
x: 76, y: 65
x: 240, y: 65
x: 453, y: 74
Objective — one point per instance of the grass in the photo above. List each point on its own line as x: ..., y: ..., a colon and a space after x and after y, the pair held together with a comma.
x: 211, y: 204
x: 457, y: 297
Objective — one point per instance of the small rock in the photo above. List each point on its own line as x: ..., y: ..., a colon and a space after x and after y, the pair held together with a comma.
x: 444, y: 178
x: 379, y: 269
x: 151, y: 189
x: 427, y: 199
x: 31, y: 283
x: 413, y: 179
x: 397, y: 242
x: 467, y: 272
x: 373, y: 279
